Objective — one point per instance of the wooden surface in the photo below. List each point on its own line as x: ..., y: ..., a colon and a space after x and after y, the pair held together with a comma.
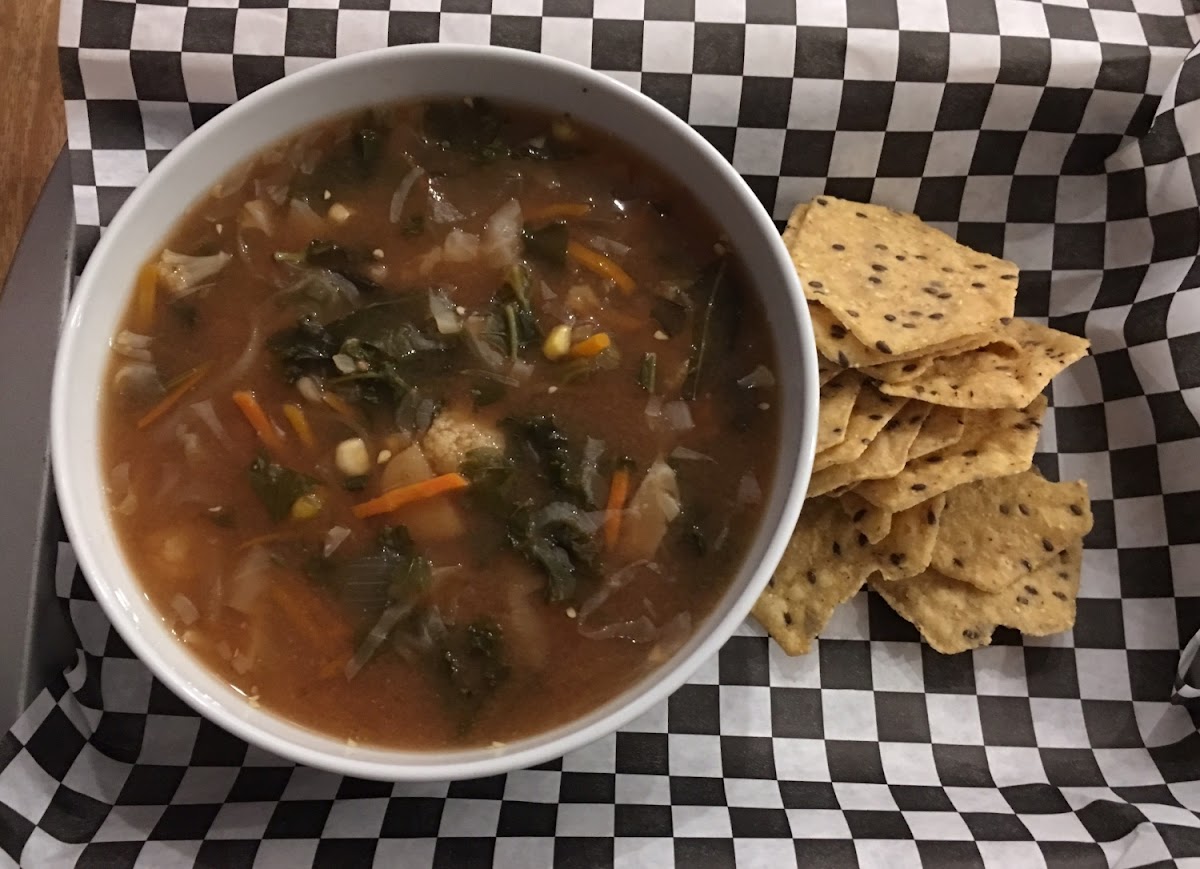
x: 32, y: 128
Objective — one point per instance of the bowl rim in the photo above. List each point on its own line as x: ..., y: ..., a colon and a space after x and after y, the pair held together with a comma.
x: 251, y: 726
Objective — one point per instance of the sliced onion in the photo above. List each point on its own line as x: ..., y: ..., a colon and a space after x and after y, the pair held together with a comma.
x: 654, y: 407
x: 491, y: 358
x: 615, y: 581
x: 502, y: 235
x: 460, y: 247
x: 185, y: 609
x: 249, y: 579
x: 375, y: 638
x: 428, y: 261
x: 396, y: 209
x: 749, y: 492
x: 639, y: 630
x: 208, y: 415
x: 120, y: 489
x: 232, y: 182
x: 671, y: 638
x: 444, y: 316
x: 441, y: 211
x: 521, y: 370
x: 344, y: 363
x: 760, y: 377
x: 256, y: 216
x: 310, y: 390
x: 609, y: 246
x: 138, y: 380
x: 183, y: 274
x: 334, y: 538
x: 547, y: 293
x: 492, y: 375
x: 684, y: 454
x: 678, y: 415
x: 302, y: 217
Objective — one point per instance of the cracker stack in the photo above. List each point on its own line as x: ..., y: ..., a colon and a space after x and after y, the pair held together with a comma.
x: 923, y: 485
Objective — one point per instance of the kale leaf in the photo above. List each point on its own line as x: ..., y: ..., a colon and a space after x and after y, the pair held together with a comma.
x: 278, y: 487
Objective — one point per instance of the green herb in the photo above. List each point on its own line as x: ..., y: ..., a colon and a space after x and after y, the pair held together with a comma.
x: 368, y: 146
x: 278, y: 487
x: 390, y: 571
x: 470, y: 126
x: 327, y: 255
x: 558, y: 457
x: 472, y: 660
x: 486, y: 391
x: 510, y: 329
x: 560, y: 539
x: 490, y: 473
x: 647, y: 374
x: 548, y: 242
x: 670, y: 314
x: 712, y: 307
x: 346, y: 165
x: 355, y: 484
x: 414, y: 226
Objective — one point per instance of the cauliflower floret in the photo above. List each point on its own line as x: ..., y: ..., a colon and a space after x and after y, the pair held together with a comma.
x: 452, y: 436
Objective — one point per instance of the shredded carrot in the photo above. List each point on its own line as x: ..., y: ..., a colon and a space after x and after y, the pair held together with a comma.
x: 181, y: 388
x: 299, y: 422
x: 618, y: 491
x: 601, y: 265
x: 338, y: 404
x: 592, y: 346
x: 557, y: 211
x: 257, y: 417
x: 146, y: 294
x: 401, y: 496
x: 315, y: 619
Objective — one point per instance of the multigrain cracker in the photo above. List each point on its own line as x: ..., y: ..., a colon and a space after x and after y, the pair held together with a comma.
x: 995, y: 375
x: 827, y: 561
x: 905, y: 369
x: 835, y: 405
x: 942, y: 428
x: 955, y: 616
x: 873, y: 521
x: 996, y: 532
x: 871, y: 413
x: 884, y: 457
x: 836, y: 343
x: 995, y: 443
x: 873, y: 267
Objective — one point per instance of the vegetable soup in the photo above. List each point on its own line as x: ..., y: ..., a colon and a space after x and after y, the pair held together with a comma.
x: 440, y: 425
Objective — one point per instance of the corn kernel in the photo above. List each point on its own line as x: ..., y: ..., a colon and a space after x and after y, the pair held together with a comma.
x: 338, y: 213
x: 352, y: 458
x: 557, y: 343
x: 307, y: 506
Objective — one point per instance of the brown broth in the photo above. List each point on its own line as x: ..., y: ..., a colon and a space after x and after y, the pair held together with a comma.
x: 194, y: 518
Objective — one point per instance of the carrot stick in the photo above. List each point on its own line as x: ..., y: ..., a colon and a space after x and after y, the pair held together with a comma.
x: 394, y: 499
x: 557, y: 211
x: 168, y: 401
x: 338, y: 404
x: 146, y: 293
x: 257, y: 417
x: 618, y: 491
x: 601, y: 265
x: 295, y: 416
x: 592, y: 346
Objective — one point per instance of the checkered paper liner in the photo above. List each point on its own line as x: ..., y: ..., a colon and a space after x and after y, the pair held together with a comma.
x: 1064, y: 136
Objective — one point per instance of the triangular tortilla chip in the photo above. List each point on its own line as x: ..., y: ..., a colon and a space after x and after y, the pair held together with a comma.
x: 836, y: 343
x: 872, y: 267
x: 873, y: 521
x: 955, y: 616
x: 996, y: 532
x: 836, y: 403
x: 942, y: 428
x: 995, y: 376
x: 884, y: 457
x: 871, y: 413
x: 995, y: 443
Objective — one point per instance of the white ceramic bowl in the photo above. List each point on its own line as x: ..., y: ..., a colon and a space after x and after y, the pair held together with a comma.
x: 394, y: 74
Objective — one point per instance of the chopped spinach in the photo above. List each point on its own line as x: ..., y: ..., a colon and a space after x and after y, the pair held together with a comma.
x: 670, y: 314
x: 355, y: 484
x: 560, y: 539
x: 485, y: 391
x: 414, y: 226
x: 717, y: 311
x: 472, y: 661
x: 392, y: 570
x: 548, y: 242
x: 560, y: 460
x: 278, y: 487
x: 221, y: 516
x: 346, y: 165
x: 489, y: 472
x: 185, y: 312
x: 648, y: 373
x: 305, y: 348
x: 470, y: 126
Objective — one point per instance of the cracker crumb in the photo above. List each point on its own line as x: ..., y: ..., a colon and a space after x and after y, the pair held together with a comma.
x: 377, y: 253
x: 662, y: 336
x: 497, y: 744
x: 351, y: 742
x: 571, y: 613
x: 339, y: 213
x: 220, y: 229
x: 552, y: 390
x: 460, y: 310
x: 253, y: 701
x: 764, y: 406
x: 326, y: 195
x: 383, y: 457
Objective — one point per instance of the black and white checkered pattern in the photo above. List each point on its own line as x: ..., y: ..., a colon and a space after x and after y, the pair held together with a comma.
x: 1064, y: 135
